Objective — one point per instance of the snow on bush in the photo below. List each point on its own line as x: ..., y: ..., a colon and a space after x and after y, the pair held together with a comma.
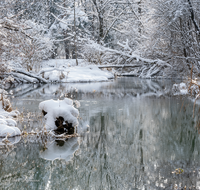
x: 7, y: 124
x: 181, y: 88
x: 24, y: 42
x: 60, y: 108
x: 4, y: 68
x: 8, y: 128
x: 93, y: 53
x: 194, y: 88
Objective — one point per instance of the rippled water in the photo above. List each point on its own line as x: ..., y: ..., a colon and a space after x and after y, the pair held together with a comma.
x: 138, y: 135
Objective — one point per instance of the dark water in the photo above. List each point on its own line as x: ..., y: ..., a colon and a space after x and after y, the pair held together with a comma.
x: 138, y: 135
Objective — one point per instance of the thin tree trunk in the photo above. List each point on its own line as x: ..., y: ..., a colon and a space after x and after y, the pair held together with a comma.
x: 192, y: 17
x: 75, y: 44
x: 101, y: 26
x: 139, y: 15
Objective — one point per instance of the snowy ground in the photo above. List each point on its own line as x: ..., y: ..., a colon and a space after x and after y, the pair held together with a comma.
x: 65, y: 70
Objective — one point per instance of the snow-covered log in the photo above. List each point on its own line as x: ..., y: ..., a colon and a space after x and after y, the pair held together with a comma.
x: 24, y: 76
x: 118, y: 66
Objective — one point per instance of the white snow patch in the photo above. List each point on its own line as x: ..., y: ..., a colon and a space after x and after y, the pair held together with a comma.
x: 183, y: 88
x: 60, y: 108
x: 7, y: 124
x: 88, y: 74
x: 10, y: 131
x: 63, y: 70
x: 180, y: 89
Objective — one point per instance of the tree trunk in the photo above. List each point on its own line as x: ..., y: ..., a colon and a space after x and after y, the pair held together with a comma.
x: 66, y: 51
x: 100, y: 27
x: 75, y: 44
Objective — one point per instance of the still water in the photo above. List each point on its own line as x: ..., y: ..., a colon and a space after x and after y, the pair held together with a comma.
x: 133, y: 135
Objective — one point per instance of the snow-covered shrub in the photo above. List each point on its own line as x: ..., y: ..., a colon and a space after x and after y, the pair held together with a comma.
x: 5, y: 103
x: 8, y: 127
x: 39, y: 47
x: 99, y: 54
x: 24, y: 42
x: 4, y: 68
x: 4, y: 71
x: 7, y: 124
x: 181, y: 88
x: 60, y: 114
x: 194, y: 88
x: 92, y: 53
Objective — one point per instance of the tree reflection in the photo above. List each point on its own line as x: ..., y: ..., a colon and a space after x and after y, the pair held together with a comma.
x: 135, y: 142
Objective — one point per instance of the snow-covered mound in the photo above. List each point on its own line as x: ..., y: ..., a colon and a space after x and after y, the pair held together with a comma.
x: 60, y: 108
x: 76, y: 74
x: 60, y: 71
x: 7, y: 124
x: 180, y: 89
x: 8, y: 127
x: 60, y: 149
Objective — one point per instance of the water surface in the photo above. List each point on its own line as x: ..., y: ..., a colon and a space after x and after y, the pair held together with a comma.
x: 138, y: 135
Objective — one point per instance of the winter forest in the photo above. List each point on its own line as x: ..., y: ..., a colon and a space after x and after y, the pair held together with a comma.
x: 159, y: 37
x: 100, y: 94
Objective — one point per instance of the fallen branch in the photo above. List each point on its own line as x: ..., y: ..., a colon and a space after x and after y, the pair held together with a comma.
x: 23, y: 77
x: 110, y: 58
x: 40, y: 79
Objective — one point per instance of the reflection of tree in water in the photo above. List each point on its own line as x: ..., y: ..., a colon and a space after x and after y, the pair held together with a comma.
x: 128, y: 147
x: 134, y: 143
x: 141, y: 151
x: 120, y: 88
x: 23, y: 167
x: 28, y: 96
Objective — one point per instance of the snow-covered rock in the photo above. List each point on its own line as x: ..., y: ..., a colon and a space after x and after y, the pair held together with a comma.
x: 56, y: 109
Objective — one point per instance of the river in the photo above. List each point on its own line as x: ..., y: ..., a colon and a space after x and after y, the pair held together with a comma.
x: 133, y: 135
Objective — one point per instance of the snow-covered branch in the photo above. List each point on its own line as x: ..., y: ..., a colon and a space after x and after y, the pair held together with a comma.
x: 142, y: 67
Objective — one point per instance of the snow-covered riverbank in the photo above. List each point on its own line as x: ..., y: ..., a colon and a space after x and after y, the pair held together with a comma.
x: 7, y: 123
x: 61, y: 70
x: 65, y: 70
